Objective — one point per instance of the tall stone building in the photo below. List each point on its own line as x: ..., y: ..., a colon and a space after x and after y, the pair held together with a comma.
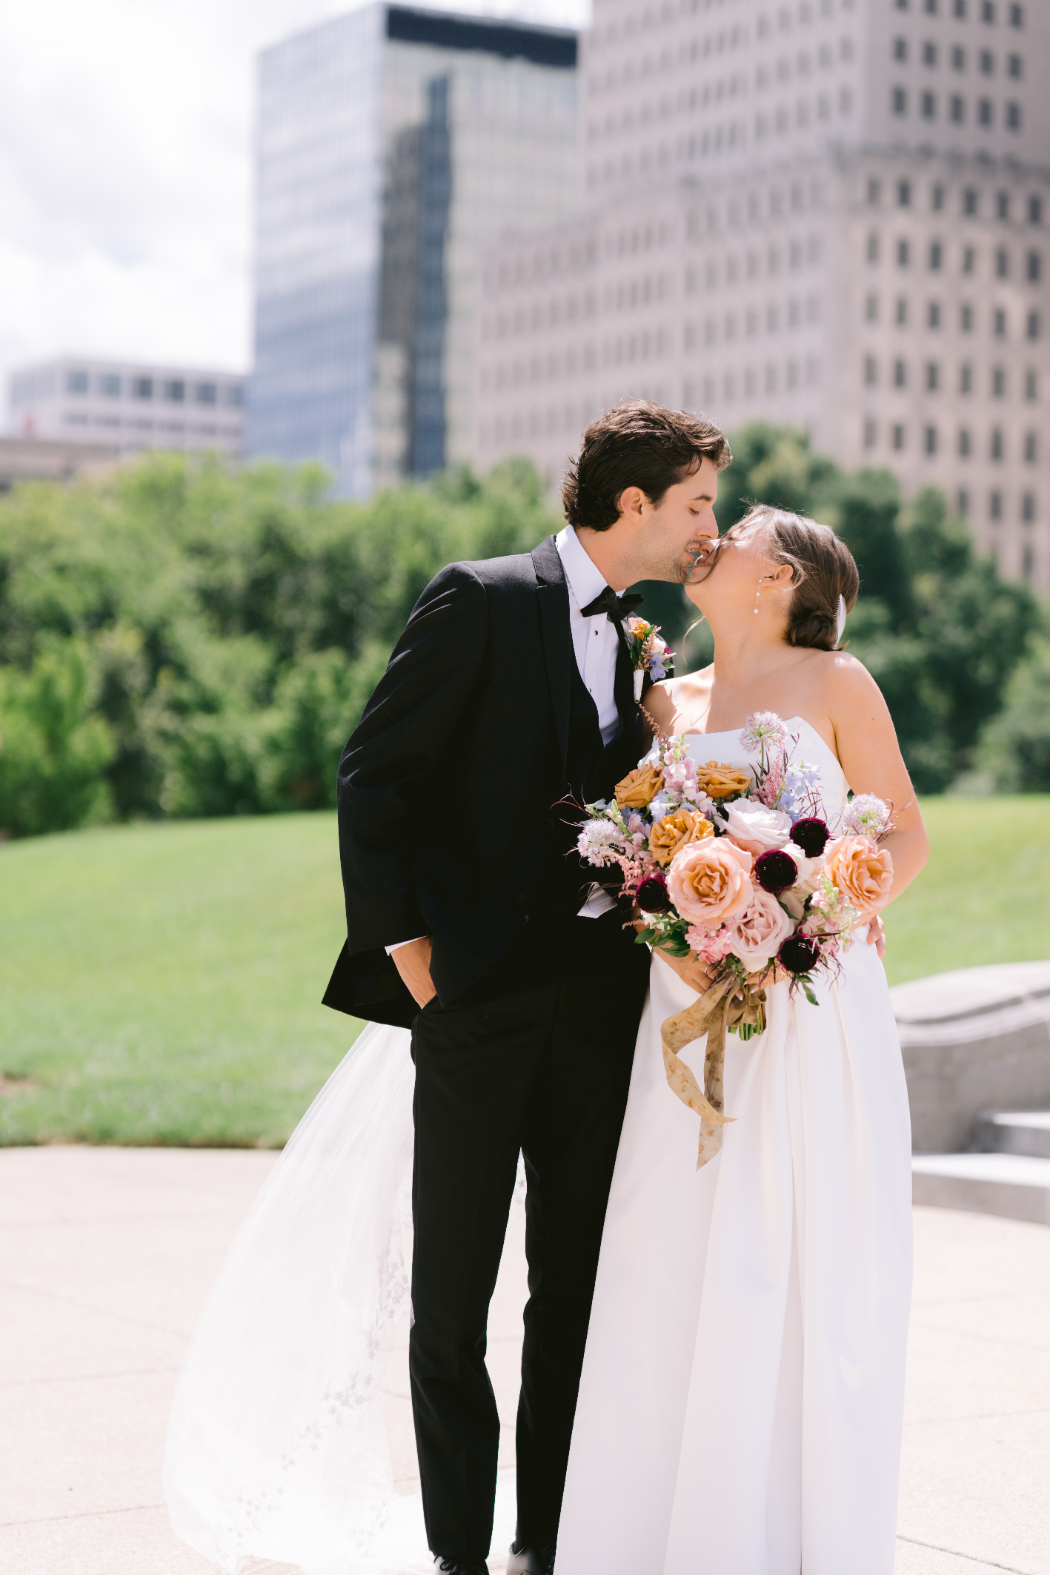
x: 392, y: 146
x: 829, y: 213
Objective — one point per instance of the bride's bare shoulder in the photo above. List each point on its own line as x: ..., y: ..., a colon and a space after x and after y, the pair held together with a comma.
x: 675, y: 700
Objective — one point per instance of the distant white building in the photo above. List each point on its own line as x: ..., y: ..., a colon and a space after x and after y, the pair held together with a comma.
x: 128, y: 406
x: 829, y: 213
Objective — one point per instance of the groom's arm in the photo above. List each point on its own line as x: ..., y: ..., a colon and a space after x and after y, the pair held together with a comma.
x: 389, y: 761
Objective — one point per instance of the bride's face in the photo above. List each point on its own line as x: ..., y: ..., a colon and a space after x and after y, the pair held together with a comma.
x: 738, y: 568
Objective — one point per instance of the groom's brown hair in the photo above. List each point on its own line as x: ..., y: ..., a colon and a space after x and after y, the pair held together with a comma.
x: 636, y: 444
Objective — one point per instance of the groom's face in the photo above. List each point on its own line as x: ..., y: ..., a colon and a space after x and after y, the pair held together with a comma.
x: 682, y: 525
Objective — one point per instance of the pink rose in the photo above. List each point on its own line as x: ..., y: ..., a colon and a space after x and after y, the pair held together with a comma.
x: 862, y: 872
x: 710, y: 881
x: 756, y: 828
x: 757, y: 934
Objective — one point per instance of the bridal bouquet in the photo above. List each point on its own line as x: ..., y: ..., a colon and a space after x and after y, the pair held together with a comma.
x: 741, y: 870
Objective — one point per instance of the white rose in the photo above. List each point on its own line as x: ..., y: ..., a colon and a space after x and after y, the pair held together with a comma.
x: 756, y: 828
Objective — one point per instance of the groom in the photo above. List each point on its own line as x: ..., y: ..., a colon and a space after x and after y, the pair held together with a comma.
x: 471, y: 921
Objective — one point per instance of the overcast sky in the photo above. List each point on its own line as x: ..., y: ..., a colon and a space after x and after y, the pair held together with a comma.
x: 125, y: 171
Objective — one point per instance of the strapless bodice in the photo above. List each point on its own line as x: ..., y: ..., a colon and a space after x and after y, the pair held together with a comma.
x: 804, y: 744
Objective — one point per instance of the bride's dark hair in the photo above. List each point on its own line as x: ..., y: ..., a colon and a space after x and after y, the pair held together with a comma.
x: 822, y: 570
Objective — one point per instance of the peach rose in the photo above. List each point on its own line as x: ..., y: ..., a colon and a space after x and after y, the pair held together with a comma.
x: 757, y: 934
x: 719, y: 781
x: 862, y: 872
x: 710, y: 881
x: 677, y: 831
x: 639, y: 787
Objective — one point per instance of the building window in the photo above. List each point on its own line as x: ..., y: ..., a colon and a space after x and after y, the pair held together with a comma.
x: 998, y: 382
x: 1035, y: 210
x: 931, y: 7
x: 1028, y: 508
x: 929, y: 54
x: 873, y: 247
x: 898, y: 437
x: 934, y: 315
x: 1000, y: 323
x: 995, y: 506
x: 900, y: 49
x: 987, y: 63
x: 874, y: 192
x: 870, y: 434
x: 964, y: 442
x: 1013, y: 117
x: 900, y: 101
x: 1035, y: 267
x: 958, y: 57
x: 1002, y: 263
x: 871, y: 309
x: 1031, y: 448
x: 1028, y: 561
x: 1031, y: 385
x: 987, y: 10
x: 1002, y: 204
x: 962, y: 503
x: 985, y: 113
x: 970, y: 198
x: 109, y: 384
x: 937, y: 198
x: 870, y: 371
x: 936, y: 255
x: 206, y: 393
x: 960, y: 9
x: 1017, y: 16
x: 966, y: 378
x: 997, y: 444
x: 933, y: 377
x: 904, y: 194
x: 966, y: 319
x: 176, y: 391
x: 931, y: 440
x: 76, y: 382
x: 957, y: 109
x: 969, y: 260
x: 902, y: 311
x: 929, y: 106
x: 233, y: 394
x: 142, y: 388
x: 900, y: 374
x: 1032, y: 326
x: 903, y: 254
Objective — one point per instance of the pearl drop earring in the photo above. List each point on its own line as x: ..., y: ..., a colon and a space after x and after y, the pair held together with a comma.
x: 758, y: 592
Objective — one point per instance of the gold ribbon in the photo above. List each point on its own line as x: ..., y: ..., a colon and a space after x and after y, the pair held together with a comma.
x: 725, y: 1005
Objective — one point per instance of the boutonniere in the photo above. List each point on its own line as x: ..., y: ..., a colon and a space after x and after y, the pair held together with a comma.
x: 649, y: 653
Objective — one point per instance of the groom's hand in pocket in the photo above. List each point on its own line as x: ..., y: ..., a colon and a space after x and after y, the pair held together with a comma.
x: 413, y: 964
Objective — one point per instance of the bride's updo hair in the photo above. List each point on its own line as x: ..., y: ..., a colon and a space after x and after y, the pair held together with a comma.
x: 822, y: 570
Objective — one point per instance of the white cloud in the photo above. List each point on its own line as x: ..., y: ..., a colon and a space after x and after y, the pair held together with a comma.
x: 125, y: 171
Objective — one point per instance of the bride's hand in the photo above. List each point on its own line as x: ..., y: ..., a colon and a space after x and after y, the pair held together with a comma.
x: 877, y: 935
x: 689, y: 969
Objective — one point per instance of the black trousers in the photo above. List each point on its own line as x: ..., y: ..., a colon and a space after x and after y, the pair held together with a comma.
x: 536, y: 1059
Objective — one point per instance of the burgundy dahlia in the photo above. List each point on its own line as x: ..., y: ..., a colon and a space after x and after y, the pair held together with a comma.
x: 776, y: 871
x: 811, y: 835
x: 799, y: 953
x: 652, y: 895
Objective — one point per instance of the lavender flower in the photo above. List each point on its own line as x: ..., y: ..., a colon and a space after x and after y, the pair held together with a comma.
x: 866, y: 816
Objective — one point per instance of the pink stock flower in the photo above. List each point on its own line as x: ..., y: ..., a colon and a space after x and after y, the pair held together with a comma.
x: 711, y: 946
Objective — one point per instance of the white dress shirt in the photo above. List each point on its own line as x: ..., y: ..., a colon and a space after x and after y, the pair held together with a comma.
x: 594, y: 640
x: 595, y: 643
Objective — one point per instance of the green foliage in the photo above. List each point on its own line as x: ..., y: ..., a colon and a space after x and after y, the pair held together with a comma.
x: 1015, y: 749
x: 181, y: 640
x: 938, y: 629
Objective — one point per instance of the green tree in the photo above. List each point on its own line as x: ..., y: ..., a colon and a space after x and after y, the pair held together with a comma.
x: 53, y: 751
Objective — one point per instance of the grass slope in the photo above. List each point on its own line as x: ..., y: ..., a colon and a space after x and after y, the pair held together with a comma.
x: 161, y: 984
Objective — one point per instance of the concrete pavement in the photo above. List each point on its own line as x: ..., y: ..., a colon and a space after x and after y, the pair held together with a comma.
x: 106, y: 1256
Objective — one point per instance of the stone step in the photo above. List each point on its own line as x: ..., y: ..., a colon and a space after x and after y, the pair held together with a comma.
x: 1015, y: 1132
x: 1016, y: 1186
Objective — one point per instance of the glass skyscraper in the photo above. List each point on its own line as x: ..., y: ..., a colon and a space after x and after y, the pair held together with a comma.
x: 392, y: 147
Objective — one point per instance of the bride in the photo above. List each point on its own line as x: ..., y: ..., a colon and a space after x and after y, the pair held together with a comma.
x: 741, y: 1398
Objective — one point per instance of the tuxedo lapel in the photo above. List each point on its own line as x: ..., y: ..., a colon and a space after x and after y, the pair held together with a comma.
x: 552, y: 596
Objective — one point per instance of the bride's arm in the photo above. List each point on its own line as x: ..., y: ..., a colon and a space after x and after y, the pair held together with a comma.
x: 866, y: 744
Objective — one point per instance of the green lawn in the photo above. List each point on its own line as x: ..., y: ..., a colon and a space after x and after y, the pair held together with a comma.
x: 161, y: 984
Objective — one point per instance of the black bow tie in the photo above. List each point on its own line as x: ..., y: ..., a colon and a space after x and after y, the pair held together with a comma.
x: 608, y: 602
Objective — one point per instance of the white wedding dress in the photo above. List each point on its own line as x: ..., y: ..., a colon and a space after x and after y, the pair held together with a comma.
x: 742, y: 1393
x: 740, y: 1407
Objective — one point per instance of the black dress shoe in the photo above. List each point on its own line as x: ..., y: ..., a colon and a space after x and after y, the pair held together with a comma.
x: 459, y: 1567
x: 530, y: 1561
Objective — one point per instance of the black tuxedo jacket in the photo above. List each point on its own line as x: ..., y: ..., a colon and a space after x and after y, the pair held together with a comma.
x: 448, y: 785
